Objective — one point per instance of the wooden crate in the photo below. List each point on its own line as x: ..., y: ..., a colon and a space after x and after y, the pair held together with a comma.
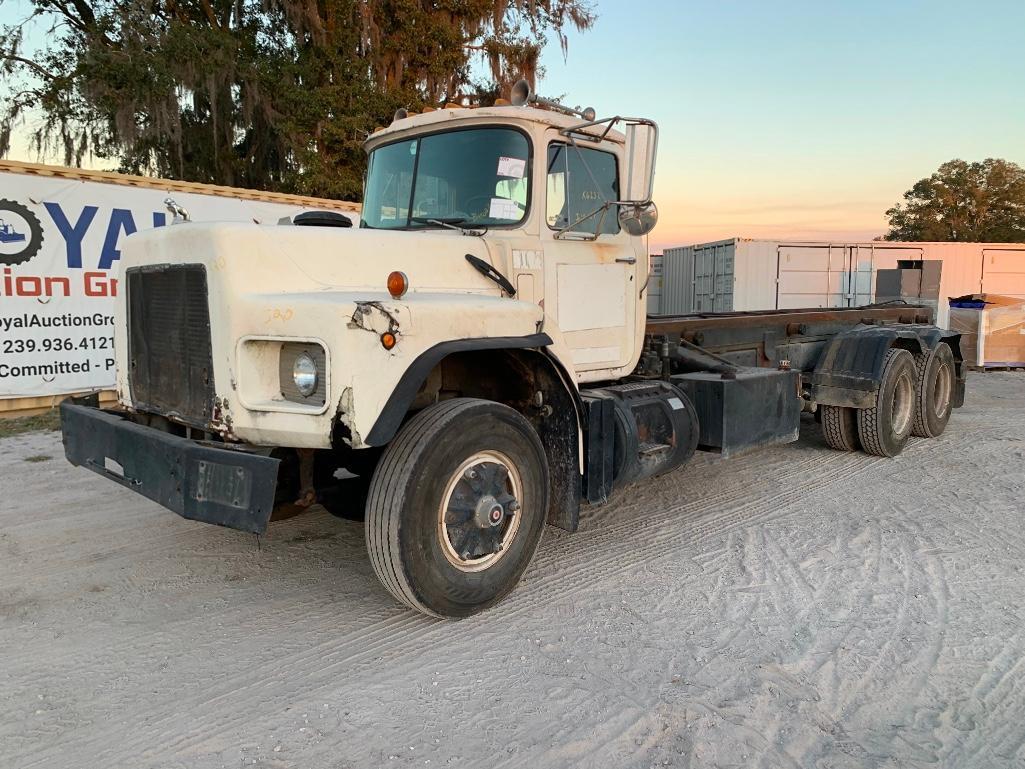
x: 993, y: 333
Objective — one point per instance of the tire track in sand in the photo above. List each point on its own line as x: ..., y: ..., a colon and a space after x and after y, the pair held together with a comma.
x: 594, y: 554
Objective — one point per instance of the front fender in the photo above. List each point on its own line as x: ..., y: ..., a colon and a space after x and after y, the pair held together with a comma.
x: 401, y: 398
x: 381, y: 385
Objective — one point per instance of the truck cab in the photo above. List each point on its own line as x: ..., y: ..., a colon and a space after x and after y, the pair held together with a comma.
x: 446, y: 190
x: 514, y: 173
x: 475, y: 352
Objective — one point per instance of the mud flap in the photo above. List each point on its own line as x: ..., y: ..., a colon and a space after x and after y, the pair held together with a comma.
x: 198, y: 481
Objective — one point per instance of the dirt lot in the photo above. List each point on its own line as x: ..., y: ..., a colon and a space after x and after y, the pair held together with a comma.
x: 794, y: 608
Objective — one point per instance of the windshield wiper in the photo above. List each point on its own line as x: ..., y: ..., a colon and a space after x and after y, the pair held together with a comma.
x: 451, y: 222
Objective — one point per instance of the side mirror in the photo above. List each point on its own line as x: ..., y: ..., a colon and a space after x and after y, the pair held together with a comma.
x: 641, y: 148
x: 638, y: 218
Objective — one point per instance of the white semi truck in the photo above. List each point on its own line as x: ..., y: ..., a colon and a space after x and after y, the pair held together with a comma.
x: 476, y: 353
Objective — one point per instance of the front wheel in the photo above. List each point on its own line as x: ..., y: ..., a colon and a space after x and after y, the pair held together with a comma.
x: 457, y: 506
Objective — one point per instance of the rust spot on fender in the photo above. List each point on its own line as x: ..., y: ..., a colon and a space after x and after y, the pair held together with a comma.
x: 362, y: 318
x: 343, y: 417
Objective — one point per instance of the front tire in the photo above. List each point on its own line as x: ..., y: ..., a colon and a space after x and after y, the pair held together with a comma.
x: 457, y: 506
x: 885, y: 427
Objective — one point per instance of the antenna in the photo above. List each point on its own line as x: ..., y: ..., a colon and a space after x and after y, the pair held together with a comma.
x: 522, y: 96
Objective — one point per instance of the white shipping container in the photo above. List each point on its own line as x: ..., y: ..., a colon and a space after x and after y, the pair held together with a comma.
x: 744, y: 274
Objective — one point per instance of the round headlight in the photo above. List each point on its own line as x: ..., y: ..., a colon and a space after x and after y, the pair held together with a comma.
x: 304, y: 374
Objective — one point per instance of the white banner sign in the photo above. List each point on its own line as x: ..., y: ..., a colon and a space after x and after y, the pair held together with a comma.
x: 60, y: 243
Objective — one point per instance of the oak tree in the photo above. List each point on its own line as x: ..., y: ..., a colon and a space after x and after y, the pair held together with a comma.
x: 267, y: 94
x: 978, y: 202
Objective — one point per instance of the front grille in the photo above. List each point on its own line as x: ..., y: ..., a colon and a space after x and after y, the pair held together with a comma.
x: 169, y: 356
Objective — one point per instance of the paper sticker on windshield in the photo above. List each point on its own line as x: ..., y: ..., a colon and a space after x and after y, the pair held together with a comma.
x: 514, y: 167
x: 503, y: 209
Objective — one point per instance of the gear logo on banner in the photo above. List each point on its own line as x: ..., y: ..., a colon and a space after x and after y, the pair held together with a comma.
x: 21, y: 233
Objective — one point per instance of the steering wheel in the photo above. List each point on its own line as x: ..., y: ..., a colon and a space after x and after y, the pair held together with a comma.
x: 423, y: 207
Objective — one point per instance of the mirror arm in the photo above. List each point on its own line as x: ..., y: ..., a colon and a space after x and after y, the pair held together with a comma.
x: 609, y: 123
x: 577, y: 130
x: 603, y: 209
x: 574, y: 132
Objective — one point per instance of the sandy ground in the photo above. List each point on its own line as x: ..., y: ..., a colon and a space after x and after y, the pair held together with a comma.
x: 794, y: 608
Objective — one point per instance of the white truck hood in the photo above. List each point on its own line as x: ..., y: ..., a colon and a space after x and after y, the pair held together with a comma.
x: 290, y: 258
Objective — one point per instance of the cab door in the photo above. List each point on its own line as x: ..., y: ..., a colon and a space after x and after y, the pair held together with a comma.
x: 591, y: 284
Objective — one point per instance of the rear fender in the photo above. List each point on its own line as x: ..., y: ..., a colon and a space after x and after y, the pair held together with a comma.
x: 850, y: 368
x: 932, y: 336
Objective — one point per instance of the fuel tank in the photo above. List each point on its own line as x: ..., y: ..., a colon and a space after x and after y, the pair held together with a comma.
x: 635, y: 431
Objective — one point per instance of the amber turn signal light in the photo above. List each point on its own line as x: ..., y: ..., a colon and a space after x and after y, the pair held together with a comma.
x: 398, y: 284
x: 388, y: 340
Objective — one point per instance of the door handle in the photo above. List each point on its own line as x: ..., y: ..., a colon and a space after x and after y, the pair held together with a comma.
x: 627, y: 260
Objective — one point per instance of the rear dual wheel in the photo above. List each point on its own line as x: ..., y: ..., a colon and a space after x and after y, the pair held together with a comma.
x: 915, y: 397
x: 840, y: 427
x: 885, y: 427
x: 457, y: 506
x: 934, y: 391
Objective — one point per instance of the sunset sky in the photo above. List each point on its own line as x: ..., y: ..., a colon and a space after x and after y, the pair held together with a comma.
x: 801, y: 119
x: 794, y: 119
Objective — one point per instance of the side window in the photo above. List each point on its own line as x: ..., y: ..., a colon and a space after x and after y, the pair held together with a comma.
x: 580, y: 180
x: 389, y: 184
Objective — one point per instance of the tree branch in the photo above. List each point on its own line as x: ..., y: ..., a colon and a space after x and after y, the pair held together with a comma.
x: 42, y: 72
x: 210, y: 15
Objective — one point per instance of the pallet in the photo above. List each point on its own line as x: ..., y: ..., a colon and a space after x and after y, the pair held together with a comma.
x: 14, y: 408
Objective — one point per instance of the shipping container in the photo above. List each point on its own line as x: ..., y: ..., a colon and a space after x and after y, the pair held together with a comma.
x: 740, y: 274
x: 677, y: 281
x: 654, y: 289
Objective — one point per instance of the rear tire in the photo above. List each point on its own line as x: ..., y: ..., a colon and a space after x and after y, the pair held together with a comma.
x: 840, y: 427
x: 885, y: 427
x: 934, y: 391
x: 457, y: 506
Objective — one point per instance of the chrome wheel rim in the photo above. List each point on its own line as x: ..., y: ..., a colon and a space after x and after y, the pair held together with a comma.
x: 902, y: 407
x: 942, y: 388
x: 479, y: 513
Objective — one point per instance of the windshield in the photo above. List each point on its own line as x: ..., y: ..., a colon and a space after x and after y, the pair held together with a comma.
x: 478, y: 177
